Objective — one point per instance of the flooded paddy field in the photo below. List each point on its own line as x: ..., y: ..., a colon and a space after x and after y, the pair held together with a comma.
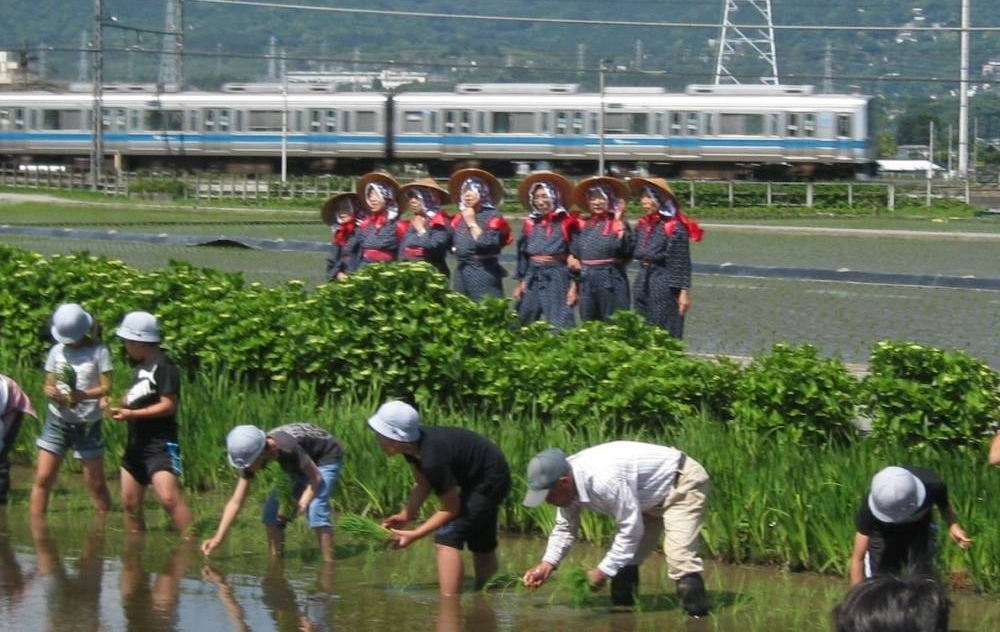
x: 83, y: 573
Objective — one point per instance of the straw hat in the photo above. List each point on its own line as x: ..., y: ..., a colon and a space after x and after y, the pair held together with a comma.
x: 579, y: 196
x: 556, y: 180
x: 426, y: 183
x: 333, y: 206
x: 460, y: 176
x: 376, y: 177
x: 636, y: 184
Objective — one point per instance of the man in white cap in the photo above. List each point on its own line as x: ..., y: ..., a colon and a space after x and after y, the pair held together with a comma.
x: 470, y: 476
x: 895, y: 531
x: 650, y: 490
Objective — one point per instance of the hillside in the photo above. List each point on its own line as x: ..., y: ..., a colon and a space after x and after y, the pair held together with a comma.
x: 229, y: 42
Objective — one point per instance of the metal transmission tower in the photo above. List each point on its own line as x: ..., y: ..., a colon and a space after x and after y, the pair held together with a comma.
x: 755, y: 32
x: 172, y: 53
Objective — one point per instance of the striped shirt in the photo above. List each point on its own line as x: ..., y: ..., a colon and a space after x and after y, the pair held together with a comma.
x: 622, y: 479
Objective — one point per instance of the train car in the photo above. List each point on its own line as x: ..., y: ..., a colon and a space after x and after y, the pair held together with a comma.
x: 706, y: 131
x: 235, y: 131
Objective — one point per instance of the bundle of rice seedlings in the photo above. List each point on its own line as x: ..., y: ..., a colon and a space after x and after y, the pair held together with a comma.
x: 364, y: 528
x: 575, y: 582
x: 503, y: 582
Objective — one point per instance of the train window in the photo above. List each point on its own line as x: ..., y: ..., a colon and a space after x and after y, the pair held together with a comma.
x: 577, y: 123
x: 592, y: 122
x: 238, y: 121
x: 119, y: 119
x: 741, y: 124
x: 561, y: 122
x: 546, y: 122
x: 676, y: 128
x: 364, y: 121
x: 449, y: 122
x: 18, y: 118
x: 466, y: 122
x: 434, y: 122
x: 209, y: 120
x: 844, y: 125
x: 225, y: 119
x: 330, y: 121
x: 659, y: 122
x: 4, y: 119
x: 792, y: 124
x: 135, y: 116
x: 691, y: 124
x: 773, y: 124
x: 501, y: 123
x: 261, y: 121
x: 413, y: 122
x: 62, y: 119
x: 164, y: 120
x: 299, y: 119
x: 809, y: 124
x: 710, y: 124
x: 192, y: 122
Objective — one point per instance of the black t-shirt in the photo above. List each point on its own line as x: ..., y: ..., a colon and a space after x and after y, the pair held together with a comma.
x: 298, y: 444
x: 152, y: 380
x: 937, y: 494
x: 455, y: 457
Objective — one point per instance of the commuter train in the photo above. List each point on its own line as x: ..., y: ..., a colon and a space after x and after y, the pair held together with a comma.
x: 705, y: 131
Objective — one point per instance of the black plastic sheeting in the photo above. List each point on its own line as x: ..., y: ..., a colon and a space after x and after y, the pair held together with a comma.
x: 724, y: 269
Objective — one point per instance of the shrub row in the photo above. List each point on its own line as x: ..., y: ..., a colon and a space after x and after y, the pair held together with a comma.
x: 398, y: 330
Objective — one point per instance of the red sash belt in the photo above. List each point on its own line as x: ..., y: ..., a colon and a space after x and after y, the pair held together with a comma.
x: 413, y: 251
x: 602, y: 262
x: 374, y: 254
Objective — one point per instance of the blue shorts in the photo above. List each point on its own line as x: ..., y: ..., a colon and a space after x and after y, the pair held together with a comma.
x: 58, y: 435
x: 318, y: 514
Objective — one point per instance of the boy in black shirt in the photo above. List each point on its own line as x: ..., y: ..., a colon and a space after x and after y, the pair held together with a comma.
x: 152, y: 454
x: 895, y: 532
x: 470, y: 476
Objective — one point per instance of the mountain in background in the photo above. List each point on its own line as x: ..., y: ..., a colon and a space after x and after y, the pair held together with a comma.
x: 230, y: 42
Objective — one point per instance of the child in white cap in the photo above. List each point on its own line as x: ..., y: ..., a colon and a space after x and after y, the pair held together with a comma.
x: 77, y: 376
x: 149, y: 407
x: 309, y: 455
x: 895, y: 530
x: 469, y: 475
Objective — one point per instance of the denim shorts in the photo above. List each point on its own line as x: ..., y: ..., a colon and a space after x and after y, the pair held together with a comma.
x: 58, y: 435
x: 318, y: 514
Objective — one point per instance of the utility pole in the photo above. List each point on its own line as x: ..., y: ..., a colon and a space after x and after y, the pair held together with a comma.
x: 97, y: 115
x: 172, y: 51
x: 828, y: 70
x: 963, y: 96
x: 602, y: 68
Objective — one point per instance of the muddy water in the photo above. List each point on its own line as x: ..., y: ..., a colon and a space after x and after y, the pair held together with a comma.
x: 84, y: 573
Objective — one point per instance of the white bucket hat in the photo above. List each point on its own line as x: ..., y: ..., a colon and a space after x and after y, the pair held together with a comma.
x: 139, y: 327
x: 896, y: 495
x: 244, y: 444
x: 70, y: 323
x: 396, y: 420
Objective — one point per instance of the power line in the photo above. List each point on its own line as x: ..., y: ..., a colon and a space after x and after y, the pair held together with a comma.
x: 580, y: 22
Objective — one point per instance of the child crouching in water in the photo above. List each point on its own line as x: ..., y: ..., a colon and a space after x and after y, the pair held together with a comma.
x: 309, y: 455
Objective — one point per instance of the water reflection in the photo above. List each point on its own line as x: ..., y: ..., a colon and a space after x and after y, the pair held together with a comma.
x: 12, y: 580
x: 150, y: 602
x: 475, y: 612
x: 287, y: 609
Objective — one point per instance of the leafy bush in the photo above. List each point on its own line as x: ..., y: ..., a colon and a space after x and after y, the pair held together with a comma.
x: 928, y: 398
x: 797, y: 396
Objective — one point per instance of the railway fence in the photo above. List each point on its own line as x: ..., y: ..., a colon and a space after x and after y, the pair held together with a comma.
x: 876, y: 194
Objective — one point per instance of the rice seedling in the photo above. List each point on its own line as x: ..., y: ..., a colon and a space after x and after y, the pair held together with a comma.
x: 575, y: 583
x: 364, y: 528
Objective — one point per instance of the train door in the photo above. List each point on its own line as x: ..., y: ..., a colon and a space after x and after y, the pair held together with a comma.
x: 322, y: 133
x: 457, y: 133
x: 844, y: 133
